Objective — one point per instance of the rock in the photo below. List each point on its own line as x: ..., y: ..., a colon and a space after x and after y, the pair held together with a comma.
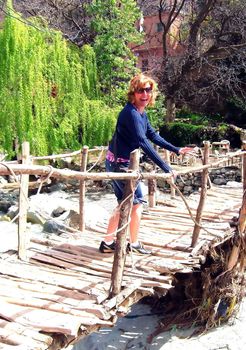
x: 188, y: 183
x: 219, y: 181
x: 51, y: 226
x: 13, y: 211
x: 74, y: 220
x: 5, y: 205
x: 35, y: 218
x: 4, y: 218
x: 60, y: 186
x: 188, y: 189
x: 58, y: 212
x: 46, y: 203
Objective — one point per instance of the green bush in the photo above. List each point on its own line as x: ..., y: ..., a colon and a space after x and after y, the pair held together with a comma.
x: 181, y: 134
x: 198, y: 119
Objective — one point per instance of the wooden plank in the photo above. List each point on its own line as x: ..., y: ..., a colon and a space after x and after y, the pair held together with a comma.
x: 14, y: 339
x: 41, y: 319
x: 40, y: 302
x: 92, y: 265
x: 30, y: 272
x: 26, y: 331
x: 71, y: 296
x: 48, y: 321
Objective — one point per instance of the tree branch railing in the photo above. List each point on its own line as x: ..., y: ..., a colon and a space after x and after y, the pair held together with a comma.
x: 9, y: 168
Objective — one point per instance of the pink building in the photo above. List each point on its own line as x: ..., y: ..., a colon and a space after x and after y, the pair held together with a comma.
x: 150, y: 53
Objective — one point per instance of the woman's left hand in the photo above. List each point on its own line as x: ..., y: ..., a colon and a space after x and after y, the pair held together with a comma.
x: 184, y: 150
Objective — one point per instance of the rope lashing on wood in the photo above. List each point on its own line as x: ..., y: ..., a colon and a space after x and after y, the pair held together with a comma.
x: 6, y: 165
x: 44, y: 179
x: 97, y: 161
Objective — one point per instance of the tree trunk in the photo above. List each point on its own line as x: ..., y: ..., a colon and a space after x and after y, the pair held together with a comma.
x: 171, y: 110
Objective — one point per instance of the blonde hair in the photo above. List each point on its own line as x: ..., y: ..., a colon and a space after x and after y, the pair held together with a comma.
x: 139, y: 81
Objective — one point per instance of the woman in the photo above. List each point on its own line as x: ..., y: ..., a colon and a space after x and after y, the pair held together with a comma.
x: 133, y: 130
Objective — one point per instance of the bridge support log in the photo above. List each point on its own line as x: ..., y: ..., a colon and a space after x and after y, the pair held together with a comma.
x: 152, y: 185
x: 203, y: 195
x: 23, y: 239
x: 84, y: 157
x: 244, y: 166
x: 171, y: 180
x: 125, y: 214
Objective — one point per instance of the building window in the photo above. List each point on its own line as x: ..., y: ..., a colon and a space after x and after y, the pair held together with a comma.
x: 159, y: 27
x: 145, y: 65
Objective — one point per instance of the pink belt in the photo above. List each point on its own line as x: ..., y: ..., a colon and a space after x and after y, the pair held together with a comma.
x: 110, y: 157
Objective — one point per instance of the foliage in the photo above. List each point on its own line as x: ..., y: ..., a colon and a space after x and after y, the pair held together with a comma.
x: 48, y: 91
x: 183, y: 134
x: 209, y: 69
x: 180, y: 133
x: 95, y: 133
x: 236, y: 113
x: 113, y: 22
x: 69, y: 17
x: 155, y: 113
x: 199, y: 119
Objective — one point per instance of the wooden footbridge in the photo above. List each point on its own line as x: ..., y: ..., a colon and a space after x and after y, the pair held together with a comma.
x: 56, y: 290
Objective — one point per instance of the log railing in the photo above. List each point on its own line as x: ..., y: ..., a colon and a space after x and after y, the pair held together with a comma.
x: 203, y: 195
x: 26, y: 168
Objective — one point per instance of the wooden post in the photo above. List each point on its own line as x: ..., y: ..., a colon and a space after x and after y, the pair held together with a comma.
x: 244, y: 166
x: 152, y: 192
x: 203, y: 195
x: 242, y: 216
x: 152, y: 187
x: 171, y: 180
x: 125, y: 213
x: 233, y: 259
x: 84, y: 156
x: 241, y: 241
x: 23, y: 239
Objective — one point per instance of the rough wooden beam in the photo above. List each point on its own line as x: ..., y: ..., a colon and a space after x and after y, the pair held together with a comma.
x: 23, y: 239
x: 203, y: 195
x: 125, y: 213
x: 84, y: 156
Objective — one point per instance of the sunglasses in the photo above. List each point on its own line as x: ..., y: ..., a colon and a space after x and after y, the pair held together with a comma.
x: 148, y: 90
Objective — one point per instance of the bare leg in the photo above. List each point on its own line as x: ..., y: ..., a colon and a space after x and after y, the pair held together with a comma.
x: 135, y: 222
x: 112, y: 225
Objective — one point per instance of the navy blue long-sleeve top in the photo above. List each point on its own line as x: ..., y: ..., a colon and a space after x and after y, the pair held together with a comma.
x: 133, y: 130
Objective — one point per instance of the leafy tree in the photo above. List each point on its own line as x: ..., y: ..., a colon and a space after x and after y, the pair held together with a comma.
x: 210, y: 71
x: 48, y: 90
x: 113, y: 22
x: 69, y: 17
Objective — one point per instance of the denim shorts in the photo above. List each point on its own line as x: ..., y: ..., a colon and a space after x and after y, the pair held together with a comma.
x: 119, y: 185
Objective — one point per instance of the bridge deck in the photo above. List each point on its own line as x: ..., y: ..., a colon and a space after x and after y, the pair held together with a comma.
x: 61, y: 294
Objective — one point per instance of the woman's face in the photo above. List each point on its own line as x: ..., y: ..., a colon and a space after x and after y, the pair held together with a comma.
x: 142, y: 97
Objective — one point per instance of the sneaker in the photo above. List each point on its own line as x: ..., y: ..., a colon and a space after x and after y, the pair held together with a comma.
x: 107, y: 248
x: 140, y: 249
